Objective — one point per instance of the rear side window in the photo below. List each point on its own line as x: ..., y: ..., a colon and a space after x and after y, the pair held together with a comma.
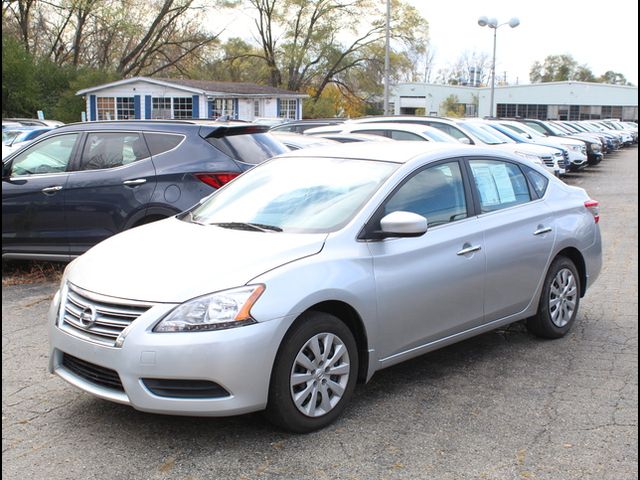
x: 538, y: 181
x: 112, y: 149
x: 499, y: 184
x: 400, y: 135
x: 449, y: 130
x: 162, y: 142
x: 251, y: 148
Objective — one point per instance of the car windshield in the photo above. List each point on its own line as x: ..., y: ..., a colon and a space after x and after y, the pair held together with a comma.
x: 512, y: 134
x: 485, y: 136
x: 555, y: 130
x: 300, y: 195
x: 439, y: 136
x: 9, y: 136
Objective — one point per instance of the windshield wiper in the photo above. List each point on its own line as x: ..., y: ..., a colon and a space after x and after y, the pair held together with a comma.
x: 255, y: 227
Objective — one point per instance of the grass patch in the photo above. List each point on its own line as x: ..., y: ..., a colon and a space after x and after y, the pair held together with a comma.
x: 16, y: 272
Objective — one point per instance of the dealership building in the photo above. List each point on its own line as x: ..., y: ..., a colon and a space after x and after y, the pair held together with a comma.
x: 161, y: 98
x: 545, y: 101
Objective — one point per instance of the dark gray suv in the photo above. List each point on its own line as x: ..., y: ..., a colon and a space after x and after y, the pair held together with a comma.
x: 81, y: 183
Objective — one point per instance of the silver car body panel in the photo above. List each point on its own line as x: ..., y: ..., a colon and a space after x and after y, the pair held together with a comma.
x: 411, y: 295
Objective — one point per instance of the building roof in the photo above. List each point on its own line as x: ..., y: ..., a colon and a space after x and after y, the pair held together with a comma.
x: 206, y: 87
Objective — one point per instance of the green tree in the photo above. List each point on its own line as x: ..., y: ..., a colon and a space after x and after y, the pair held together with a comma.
x: 19, y: 84
x: 613, y: 78
x: 560, y: 68
x: 452, y: 107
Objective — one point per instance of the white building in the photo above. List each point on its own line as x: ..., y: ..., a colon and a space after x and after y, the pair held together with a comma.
x: 161, y: 98
x: 546, y: 101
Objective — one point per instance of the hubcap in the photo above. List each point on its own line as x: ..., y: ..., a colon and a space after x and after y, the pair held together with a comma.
x: 563, y: 297
x: 319, y: 375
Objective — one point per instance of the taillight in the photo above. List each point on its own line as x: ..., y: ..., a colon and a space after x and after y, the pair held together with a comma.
x: 216, y: 180
x: 594, y: 207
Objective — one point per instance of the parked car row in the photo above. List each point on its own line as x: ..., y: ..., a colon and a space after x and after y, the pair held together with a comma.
x: 561, y: 146
x: 261, y: 278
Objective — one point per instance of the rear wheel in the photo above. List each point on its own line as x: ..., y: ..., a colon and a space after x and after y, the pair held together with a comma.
x: 314, y: 374
x: 559, y: 301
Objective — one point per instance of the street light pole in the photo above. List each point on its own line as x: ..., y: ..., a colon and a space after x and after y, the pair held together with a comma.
x: 387, y: 59
x: 493, y: 23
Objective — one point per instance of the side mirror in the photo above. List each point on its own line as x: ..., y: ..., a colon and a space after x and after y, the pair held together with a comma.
x: 465, y: 141
x: 403, y: 224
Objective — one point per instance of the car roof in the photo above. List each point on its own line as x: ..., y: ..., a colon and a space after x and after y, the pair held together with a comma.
x: 357, y: 127
x: 397, y: 151
x: 299, y: 139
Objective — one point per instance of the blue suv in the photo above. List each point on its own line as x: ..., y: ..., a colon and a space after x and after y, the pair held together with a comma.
x: 81, y: 183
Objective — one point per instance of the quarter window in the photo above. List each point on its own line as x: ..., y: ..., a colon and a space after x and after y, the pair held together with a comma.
x: 108, y: 150
x: 499, y: 184
x: 436, y: 193
x: 538, y: 181
x: 162, y: 142
x: 49, y: 156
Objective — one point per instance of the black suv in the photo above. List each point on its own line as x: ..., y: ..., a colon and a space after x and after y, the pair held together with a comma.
x: 81, y: 183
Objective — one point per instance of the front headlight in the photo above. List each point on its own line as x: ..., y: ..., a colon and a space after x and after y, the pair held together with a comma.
x: 533, y: 158
x: 570, y: 146
x: 216, y: 311
x: 596, y: 147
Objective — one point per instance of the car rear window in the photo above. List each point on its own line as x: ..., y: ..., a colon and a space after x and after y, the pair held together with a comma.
x: 251, y: 148
x: 162, y: 142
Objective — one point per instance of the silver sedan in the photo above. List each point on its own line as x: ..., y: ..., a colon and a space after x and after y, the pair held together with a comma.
x: 312, y: 271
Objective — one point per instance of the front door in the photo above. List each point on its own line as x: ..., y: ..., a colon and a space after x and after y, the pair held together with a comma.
x: 33, y: 198
x: 431, y: 286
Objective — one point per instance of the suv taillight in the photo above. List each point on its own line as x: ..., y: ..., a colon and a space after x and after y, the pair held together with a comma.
x: 216, y: 180
x: 594, y: 207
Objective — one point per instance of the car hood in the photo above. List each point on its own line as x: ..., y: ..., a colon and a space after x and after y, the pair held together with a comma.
x: 173, y: 261
x: 529, y: 148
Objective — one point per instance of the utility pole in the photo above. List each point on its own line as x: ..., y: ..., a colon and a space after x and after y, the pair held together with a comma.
x: 387, y: 59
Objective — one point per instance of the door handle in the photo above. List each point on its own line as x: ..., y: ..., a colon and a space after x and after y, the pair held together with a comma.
x: 133, y: 183
x: 542, y: 230
x: 51, y: 190
x: 468, y: 249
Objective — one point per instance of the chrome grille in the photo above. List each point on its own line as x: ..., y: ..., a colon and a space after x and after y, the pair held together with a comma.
x: 97, y: 318
x: 548, y: 161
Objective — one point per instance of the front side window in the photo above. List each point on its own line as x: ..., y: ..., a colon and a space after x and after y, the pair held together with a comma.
x: 499, y: 184
x: 108, y: 150
x: 436, y: 193
x: 288, y: 108
x: 301, y: 195
x: 49, y: 156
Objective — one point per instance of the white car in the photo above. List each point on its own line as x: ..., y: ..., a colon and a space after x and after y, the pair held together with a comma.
x: 394, y: 131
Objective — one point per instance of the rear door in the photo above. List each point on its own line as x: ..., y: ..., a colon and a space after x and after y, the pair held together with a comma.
x: 33, y: 198
x: 111, y: 186
x: 518, y: 235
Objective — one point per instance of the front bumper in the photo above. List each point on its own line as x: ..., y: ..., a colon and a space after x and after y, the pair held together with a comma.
x: 238, y: 359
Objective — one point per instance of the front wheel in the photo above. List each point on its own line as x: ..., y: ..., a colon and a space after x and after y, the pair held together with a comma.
x: 559, y: 301
x: 314, y: 374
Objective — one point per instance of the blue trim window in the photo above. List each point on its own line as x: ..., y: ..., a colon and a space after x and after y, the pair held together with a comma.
x: 125, y: 108
x: 288, y: 108
x: 223, y: 106
x: 173, y: 107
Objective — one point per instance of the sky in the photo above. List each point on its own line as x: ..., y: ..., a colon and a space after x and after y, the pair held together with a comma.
x: 602, y: 35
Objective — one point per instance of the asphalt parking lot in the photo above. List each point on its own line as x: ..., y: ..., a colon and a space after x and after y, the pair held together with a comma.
x: 504, y: 405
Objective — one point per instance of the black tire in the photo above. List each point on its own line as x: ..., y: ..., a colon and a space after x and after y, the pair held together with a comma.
x: 281, y: 409
x: 549, y: 322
